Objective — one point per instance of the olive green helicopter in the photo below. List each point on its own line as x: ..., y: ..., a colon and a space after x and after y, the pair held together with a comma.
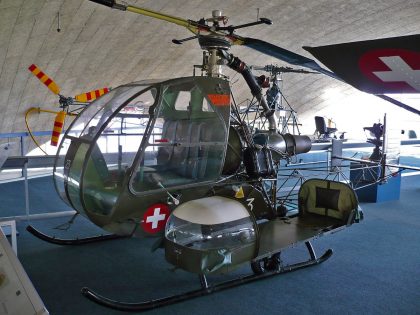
x: 174, y: 159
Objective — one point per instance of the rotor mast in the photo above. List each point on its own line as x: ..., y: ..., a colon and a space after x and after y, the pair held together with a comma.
x: 216, y: 55
x: 212, y: 44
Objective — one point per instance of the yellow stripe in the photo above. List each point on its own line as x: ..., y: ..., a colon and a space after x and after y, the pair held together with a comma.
x: 164, y: 17
x: 36, y: 70
x: 54, y: 88
x: 60, y: 117
x: 44, y: 78
x: 81, y: 98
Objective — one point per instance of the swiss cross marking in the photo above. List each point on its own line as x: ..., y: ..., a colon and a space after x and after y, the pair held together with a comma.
x: 400, y: 71
x: 390, y: 70
x: 155, y: 218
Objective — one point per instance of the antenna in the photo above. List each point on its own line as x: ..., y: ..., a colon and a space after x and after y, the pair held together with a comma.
x: 58, y: 22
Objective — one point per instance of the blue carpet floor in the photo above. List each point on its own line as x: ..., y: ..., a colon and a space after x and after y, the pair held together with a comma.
x: 375, y: 269
x: 42, y: 197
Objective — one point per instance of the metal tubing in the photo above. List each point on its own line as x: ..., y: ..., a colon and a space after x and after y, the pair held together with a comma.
x: 203, y: 281
x: 310, y: 249
x: 238, y: 65
x: 76, y: 241
x: 25, y: 174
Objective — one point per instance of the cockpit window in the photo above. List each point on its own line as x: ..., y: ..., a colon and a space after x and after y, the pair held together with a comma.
x: 101, y: 145
x: 182, y: 101
x: 114, y: 151
x: 186, y: 144
x: 161, y: 134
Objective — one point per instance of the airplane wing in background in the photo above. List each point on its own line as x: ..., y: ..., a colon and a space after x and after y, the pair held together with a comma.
x: 381, y: 66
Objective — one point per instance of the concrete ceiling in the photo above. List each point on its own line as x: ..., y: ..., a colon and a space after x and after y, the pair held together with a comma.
x: 99, y: 47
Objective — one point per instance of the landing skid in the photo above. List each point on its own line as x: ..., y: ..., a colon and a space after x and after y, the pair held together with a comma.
x: 75, y: 241
x: 206, y: 289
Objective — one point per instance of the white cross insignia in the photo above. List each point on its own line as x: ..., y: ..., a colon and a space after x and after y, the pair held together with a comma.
x: 400, y: 72
x: 155, y: 218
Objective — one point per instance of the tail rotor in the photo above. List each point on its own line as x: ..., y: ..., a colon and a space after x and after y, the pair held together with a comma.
x: 80, y: 100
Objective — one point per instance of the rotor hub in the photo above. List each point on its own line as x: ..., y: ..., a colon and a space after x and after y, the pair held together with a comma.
x: 212, y: 59
x: 208, y: 42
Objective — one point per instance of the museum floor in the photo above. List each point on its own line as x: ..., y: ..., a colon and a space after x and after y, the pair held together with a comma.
x: 374, y: 268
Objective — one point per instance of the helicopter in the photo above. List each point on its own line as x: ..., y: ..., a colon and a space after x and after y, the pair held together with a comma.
x: 173, y: 159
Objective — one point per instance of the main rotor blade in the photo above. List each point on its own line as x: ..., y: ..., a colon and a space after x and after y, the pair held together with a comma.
x: 165, y: 17
x: 285, y: 55
x: 189, y: 24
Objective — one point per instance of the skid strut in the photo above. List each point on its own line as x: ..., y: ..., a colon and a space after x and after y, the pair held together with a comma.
x: 206, y: 289
x: 76, y: 241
